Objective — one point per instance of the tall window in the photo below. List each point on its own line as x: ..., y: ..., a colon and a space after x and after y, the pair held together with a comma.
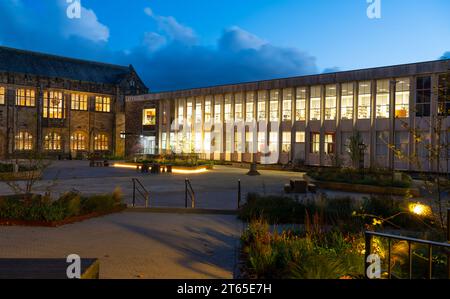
x: 23, y: 141
x: 423, y: 96
x: 149, y: 117
x: 300, y: 104
x: 218, y: 109
x: 347, y: 101
x: 364, y: 97
x: 250, y: 107
x: 78, y: 141
x: 274, y: 103
x: 402, y: 98
x: 2, y: 95
x: 444, y: 95
x: 330, y: 102
x: 208, y: 110
x: 315, y: 143
x: 238, y: 112
x: 382, y: 99
x: 286, y: 142
x: 315, y: 103
x: 101, y: 142
x: 262, y: 99
x: 330, y: 143
x: 189, y: 111
x: 52, y: 142
x: 53, y: 105
x: 102, y: 104
x: 25, y: 97
x: 79, y: 101
x: 227, y: 109
x: 287, y: 104
x: 382, y: 143
x: 198, y: 111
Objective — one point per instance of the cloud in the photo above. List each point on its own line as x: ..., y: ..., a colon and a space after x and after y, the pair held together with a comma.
x: 446, y: 55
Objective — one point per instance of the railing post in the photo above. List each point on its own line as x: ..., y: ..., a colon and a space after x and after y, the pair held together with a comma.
x: 134, y: 193
x: 186, y: 193
x: 239, y: 194
x: 368, y: 252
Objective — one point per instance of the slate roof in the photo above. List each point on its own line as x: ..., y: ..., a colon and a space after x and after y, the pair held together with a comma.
x: 46, y: 65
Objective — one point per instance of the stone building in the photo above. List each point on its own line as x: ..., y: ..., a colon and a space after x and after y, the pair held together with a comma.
x: 62, y: 106
x: 317, y: 115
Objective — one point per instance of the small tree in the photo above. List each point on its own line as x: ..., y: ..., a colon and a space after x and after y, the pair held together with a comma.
x: 356, y: 149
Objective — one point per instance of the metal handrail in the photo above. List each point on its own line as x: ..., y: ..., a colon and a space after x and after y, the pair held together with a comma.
x: 142, y: 191
x: 368, y: 244
x: 189, y: 192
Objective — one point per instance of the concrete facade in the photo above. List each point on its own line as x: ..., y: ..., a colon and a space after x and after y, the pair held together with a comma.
x: 317, y: 115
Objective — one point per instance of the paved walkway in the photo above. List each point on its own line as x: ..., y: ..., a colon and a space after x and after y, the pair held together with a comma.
x: 137, y: 245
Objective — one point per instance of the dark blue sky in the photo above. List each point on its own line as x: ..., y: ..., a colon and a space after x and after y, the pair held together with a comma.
x: 177, y: 44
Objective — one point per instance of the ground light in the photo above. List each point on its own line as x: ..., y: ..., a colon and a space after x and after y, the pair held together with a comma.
x: 419, y: 209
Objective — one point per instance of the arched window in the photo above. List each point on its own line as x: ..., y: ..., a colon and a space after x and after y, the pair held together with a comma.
x: 101, y: 142
x: 23, y: 141
x: 52, y: 142
x: 78, y: 141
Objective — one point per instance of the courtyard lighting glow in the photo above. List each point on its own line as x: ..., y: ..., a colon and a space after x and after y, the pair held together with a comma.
x: 419, y: 209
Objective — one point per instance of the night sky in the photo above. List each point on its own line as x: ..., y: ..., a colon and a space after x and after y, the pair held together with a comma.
x: 178, y: 44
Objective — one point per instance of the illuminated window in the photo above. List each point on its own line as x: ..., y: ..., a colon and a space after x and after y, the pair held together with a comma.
x: 79, y: 101
x: 423, y: 96
x: 103, y: 104
x: 101, y: 142
x: 330, y: 143
x: 249, y: 108
x: 198, y: 111
x: 382, y: 99
x: 208, y: 110
x: 315, y: 143
x: 218, y: 109
x: 315, y: 105
x: 300, y: 104
x: 330, y: 102
x: 52, y: 142
x: 364, y: 97
x: 2, y: 95
x: 444, y: 95
x: 53, y: 105
x: 25, y: 97
x: 262, y: 99
x: 238, y: 112
x: 287, y: 104
x: 347, y: 101
x: 189, y: 111
x: 402, y: 98
x: 300, y: 137
x: 227, y: 109
x: 286, y: 142
x: 149, y: 117
x: 78, y: 141
x: 262, y: 140
x: 23, y: 141
x: 274, y: 100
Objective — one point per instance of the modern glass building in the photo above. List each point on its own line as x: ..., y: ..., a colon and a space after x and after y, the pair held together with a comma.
x: 310, y: 119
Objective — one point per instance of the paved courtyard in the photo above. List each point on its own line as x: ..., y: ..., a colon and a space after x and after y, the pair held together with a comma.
x: 216, y: 189
x: 137, y: 245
